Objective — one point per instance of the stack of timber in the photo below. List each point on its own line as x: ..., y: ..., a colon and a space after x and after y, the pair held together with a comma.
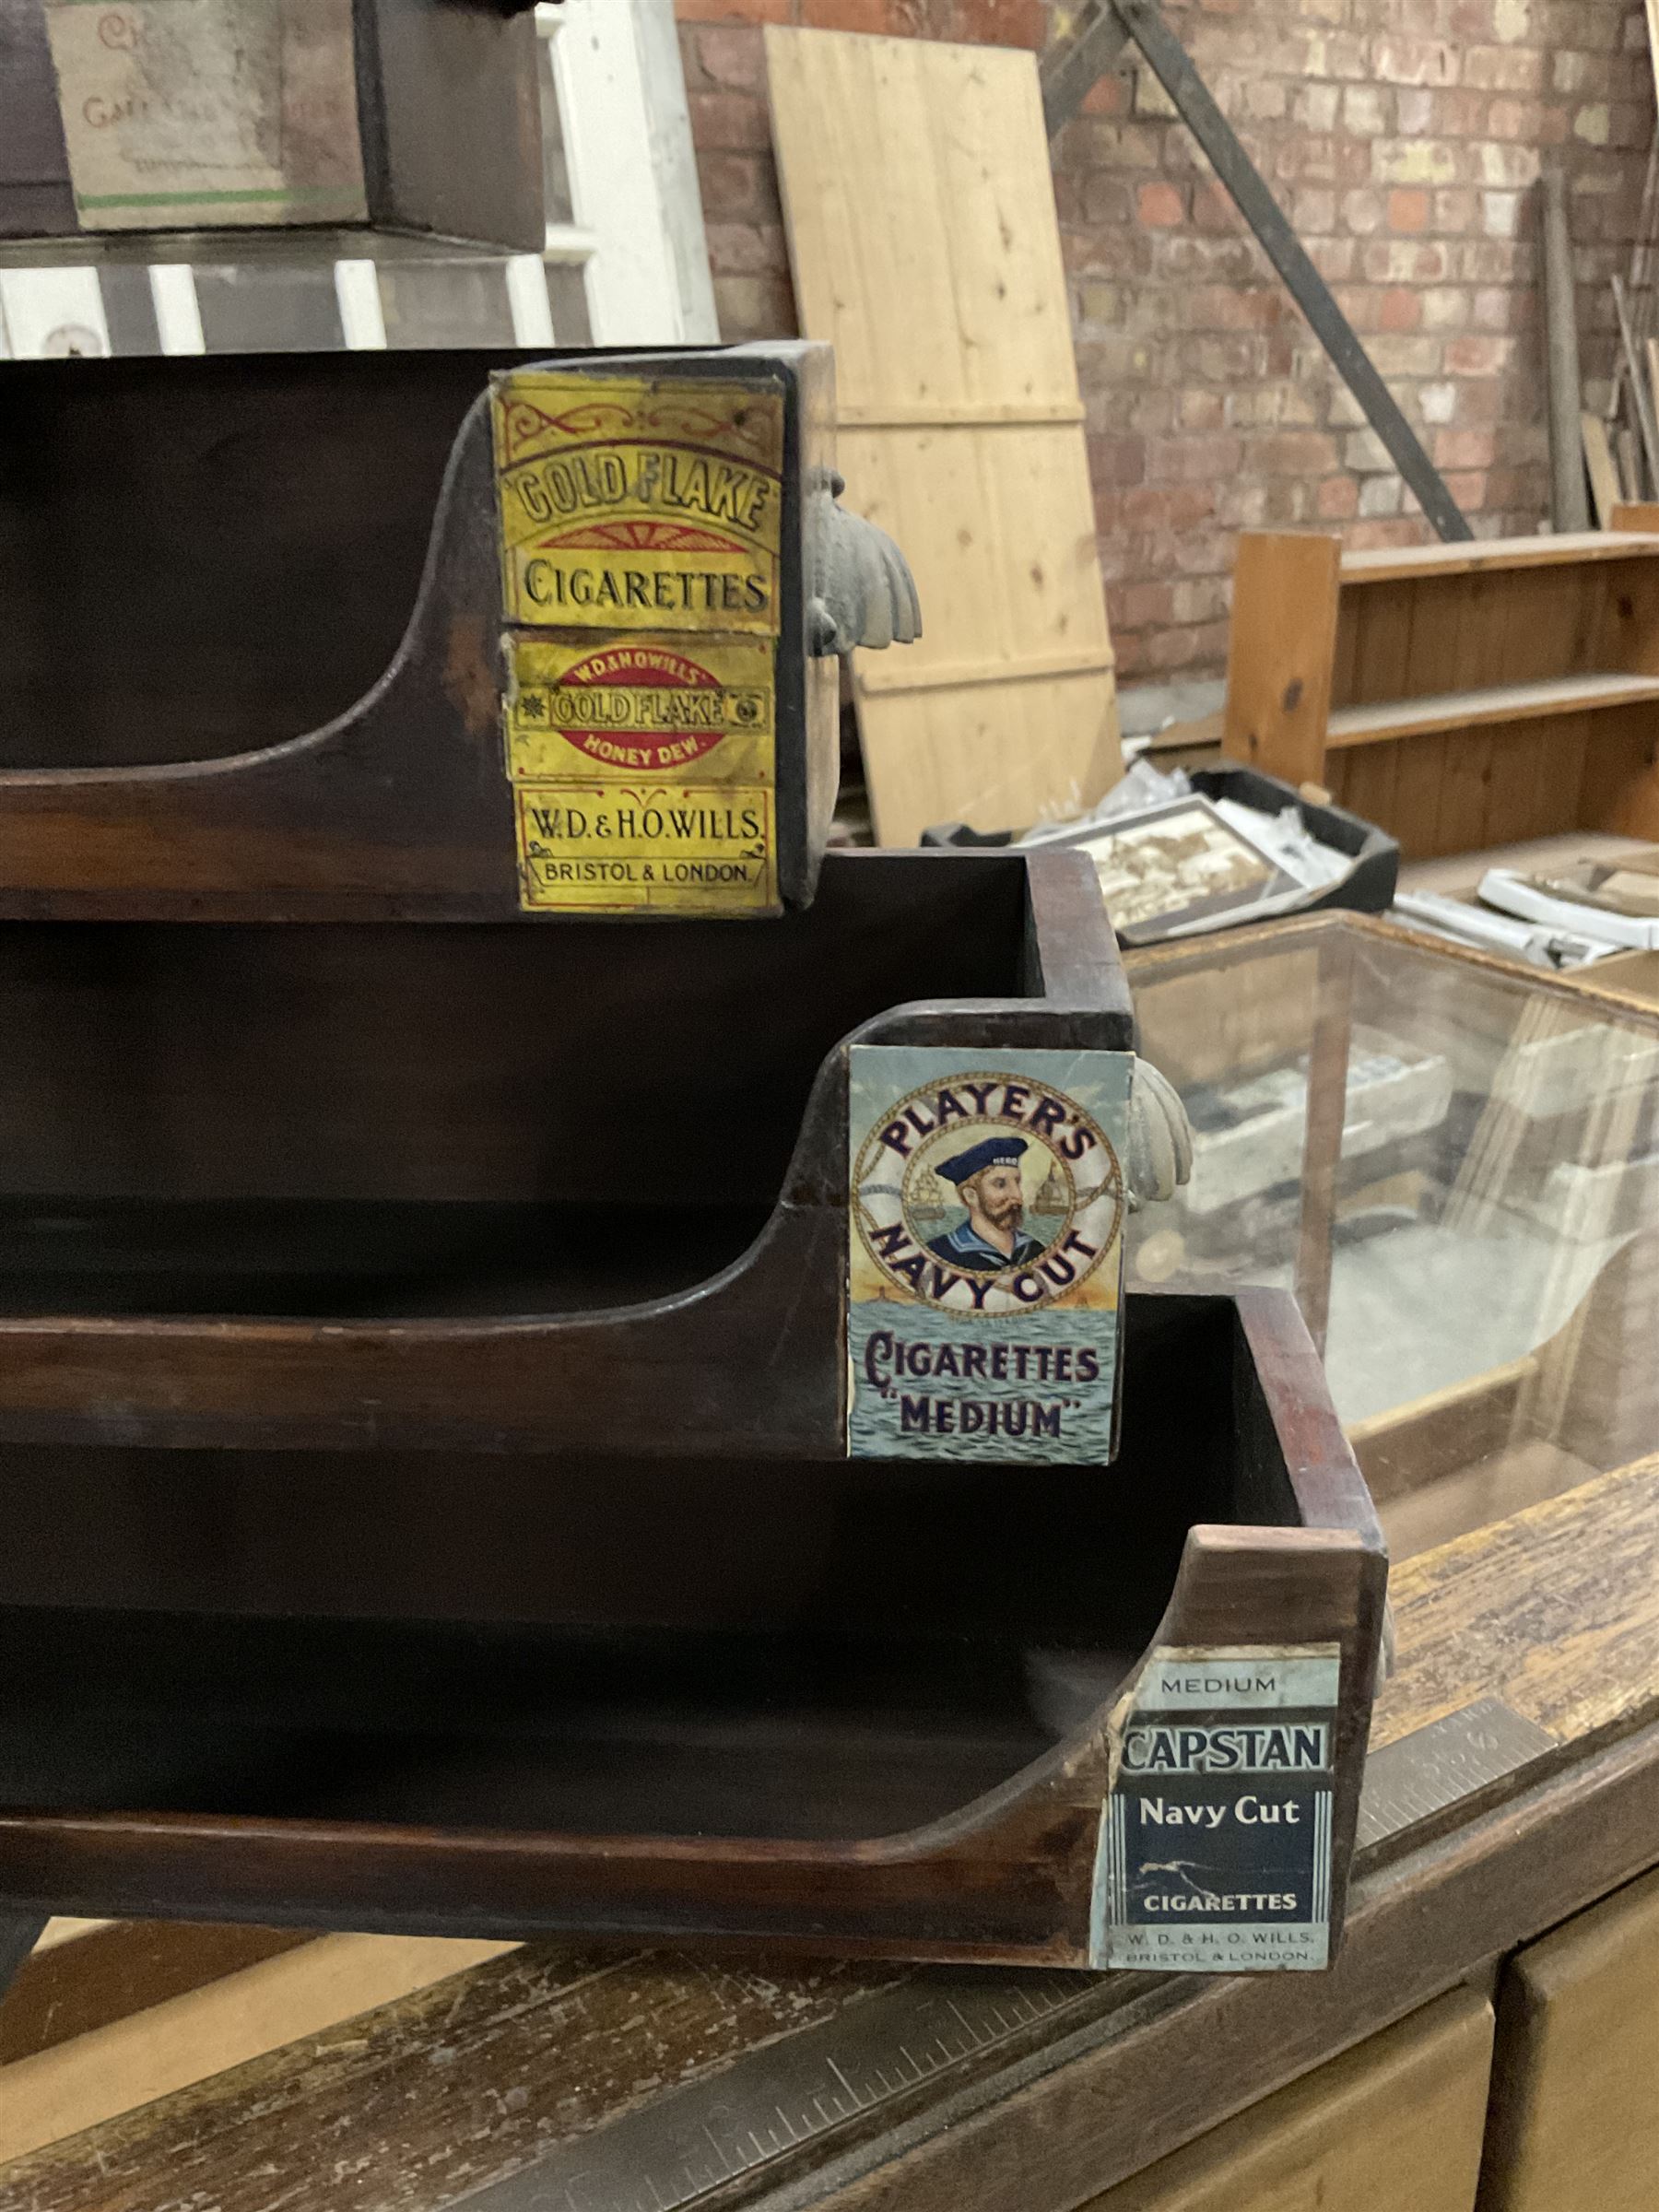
x: 1457, y: 696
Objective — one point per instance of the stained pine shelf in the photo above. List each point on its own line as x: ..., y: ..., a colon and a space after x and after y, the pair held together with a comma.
x: 1390, y: 718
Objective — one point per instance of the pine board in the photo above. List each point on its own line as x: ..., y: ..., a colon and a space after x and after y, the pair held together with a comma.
x: 1575, y: 2121
x: 919, y: 208
x: 1393, y: 2126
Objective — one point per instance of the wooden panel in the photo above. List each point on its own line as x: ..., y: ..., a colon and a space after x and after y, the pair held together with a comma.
x: 1419, y: 779
x: 1560, y: 1607
x: 1347, y: 650
x: 1630, y: 622
x: 999, y: 528
x: 1470, y: 762
x: 1540, y: 623
x: 1576, y: 2121
x: 1393, y: 2126
x: 1384, y: 650
x: 1619, y: 793
x: 186, y: 2038
x: 1505, y: 703
x: 1519, y: 798
x: 924, y: 239
x: 1435, y: 662
x: 1637, y: 514
x: 1369, y: 783
x: 990, y: 748
x: 1280, y: 653
x: 1490, y: 557
x: 921, y: 211
x: 1600, y: 467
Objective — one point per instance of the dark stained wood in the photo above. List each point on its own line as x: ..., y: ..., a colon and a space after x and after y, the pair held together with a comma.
x: 177, y: 541
x: 202, y: 770
x: 109, y: 1973
x: 449, y: 125
x: 436, y: 1070
x: 1559, y: 1610
x: 755, y: 1834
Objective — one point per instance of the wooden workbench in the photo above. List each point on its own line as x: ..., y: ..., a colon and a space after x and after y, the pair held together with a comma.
x: 429, y: 2100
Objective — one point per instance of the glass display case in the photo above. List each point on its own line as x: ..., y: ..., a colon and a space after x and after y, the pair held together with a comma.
x: 1454, y: 1164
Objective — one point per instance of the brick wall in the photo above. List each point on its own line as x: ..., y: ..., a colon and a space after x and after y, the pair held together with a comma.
x: 1403, y: 138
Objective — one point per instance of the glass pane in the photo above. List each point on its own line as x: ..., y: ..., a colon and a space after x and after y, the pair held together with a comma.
x: 445, y: 303
x: 567, y: 293
x: 555, y: 174
x: 269, y: 308
x: 1473, y: 1201
x: 129, y: 308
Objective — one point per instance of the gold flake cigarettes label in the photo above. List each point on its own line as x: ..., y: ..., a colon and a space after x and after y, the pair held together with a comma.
x: 627, y: 503
x: 643, y: 773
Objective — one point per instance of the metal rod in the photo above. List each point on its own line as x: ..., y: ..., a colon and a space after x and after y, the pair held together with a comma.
x: 20, y: 1932
x: 1174, y: 68
x: 1639, y: 392
x: 1569, y: 507
x: 1072, y: 70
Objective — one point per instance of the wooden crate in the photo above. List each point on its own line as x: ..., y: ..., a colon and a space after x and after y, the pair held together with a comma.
x: 378, y: 128
x: 1457, y: 696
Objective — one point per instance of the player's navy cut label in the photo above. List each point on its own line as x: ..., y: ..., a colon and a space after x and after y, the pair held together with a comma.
x: 1215, y: 1848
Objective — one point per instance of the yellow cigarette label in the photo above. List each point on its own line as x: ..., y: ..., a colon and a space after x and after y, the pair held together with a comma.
x: 635, y: 504
x: 642, y: 773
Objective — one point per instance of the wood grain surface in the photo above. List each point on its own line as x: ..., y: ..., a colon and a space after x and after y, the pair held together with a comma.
x: 422, y: 2101
x: 1575, y: 2121
x: 924, y: 245
x: 1395, y: 2126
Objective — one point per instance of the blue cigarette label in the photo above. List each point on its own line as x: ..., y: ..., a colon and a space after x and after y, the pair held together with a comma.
x: 1215, y: 1847
x: 986, y: 1254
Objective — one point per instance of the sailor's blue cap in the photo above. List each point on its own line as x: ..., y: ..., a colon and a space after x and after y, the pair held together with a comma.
x: 994, y: 1152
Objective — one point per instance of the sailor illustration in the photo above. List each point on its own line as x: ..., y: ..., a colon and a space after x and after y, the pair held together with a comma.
x: 992, y: 1240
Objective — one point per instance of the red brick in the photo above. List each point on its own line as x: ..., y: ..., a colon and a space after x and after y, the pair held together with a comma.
x: 755, y: 307
x: 1213, y: 208
x: 733, y: 55
x: 746, y: 249
x: 1141, y: 605
x: 728, y: 11
x: 737, y: 187
x: 730, y: 122
x: 1160, y: 207
x: 1338, y: 500
x: 1191, y: 460
x: 1168, y: 506
x: 1410, y: 209
x: 1414, y: 61
x: 1466, y: 449
x: 888, y: 18
x: 1479, y: 356
x: 1000, y: 22
x: 1108, y: 94
x: 1401, y: 309
x: 1120, y: 462
x: 1202, y: 411
x: 1294, y: 453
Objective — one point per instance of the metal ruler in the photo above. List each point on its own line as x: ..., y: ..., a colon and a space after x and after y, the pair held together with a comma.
x: 874, y: 2055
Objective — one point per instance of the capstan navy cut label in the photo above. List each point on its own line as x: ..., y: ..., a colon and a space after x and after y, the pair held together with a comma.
x: 1214, y: 1850
x: 985, y: 1257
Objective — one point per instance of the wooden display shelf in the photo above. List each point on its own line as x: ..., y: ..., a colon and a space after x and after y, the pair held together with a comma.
x: 1474, y: 710
x: 442, y: 1327
x: 1492, y: 557
x: 1456, y: 696
x: 292, y: 708
x: 865, y: 1708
